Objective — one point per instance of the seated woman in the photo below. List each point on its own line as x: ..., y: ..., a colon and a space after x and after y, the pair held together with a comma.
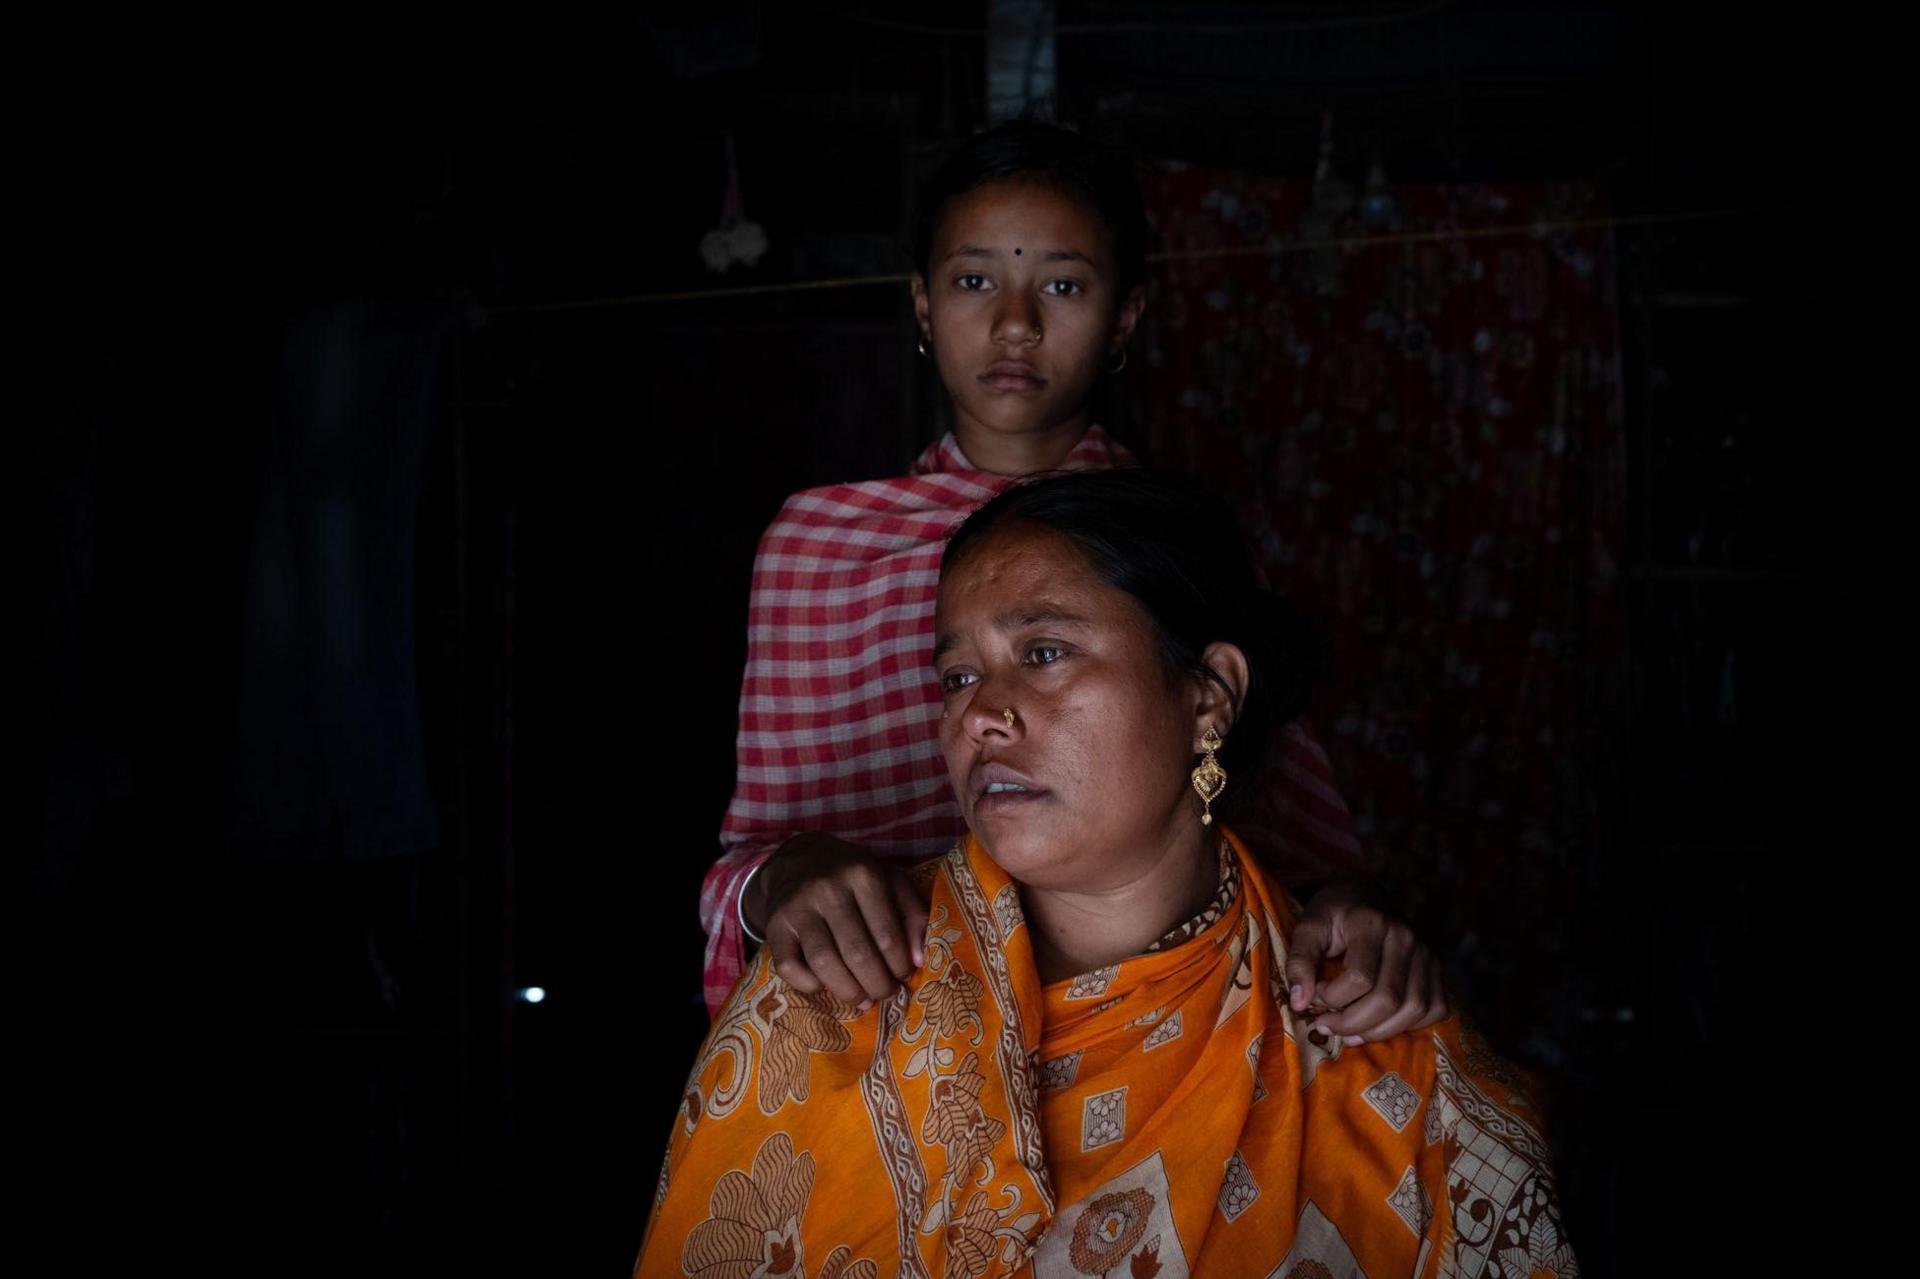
x: 1096, y: 1070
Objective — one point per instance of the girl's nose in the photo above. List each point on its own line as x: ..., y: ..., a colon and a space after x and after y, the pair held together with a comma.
x: 1019, y: 321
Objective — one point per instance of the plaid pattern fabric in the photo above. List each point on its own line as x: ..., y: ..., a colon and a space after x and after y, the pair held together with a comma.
x: 838, y: 711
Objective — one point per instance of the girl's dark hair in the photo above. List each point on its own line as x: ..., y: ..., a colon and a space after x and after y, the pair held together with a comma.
x: 1052, y: 156
x: 1175, y: 548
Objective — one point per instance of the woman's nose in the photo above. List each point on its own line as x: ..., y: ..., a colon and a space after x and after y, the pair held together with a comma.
x: 991, y: 717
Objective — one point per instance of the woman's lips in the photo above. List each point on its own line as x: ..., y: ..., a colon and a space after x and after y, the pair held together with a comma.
x: 1006, y: 801
x: 997, y: 787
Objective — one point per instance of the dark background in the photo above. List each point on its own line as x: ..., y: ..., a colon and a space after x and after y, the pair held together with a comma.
x: 319, y: 1065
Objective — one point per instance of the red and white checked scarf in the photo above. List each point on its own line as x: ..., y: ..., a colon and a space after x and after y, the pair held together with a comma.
x: 839, y: 710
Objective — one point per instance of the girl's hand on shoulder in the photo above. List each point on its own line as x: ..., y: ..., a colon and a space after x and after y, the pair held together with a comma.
x: 838, y: 919
x: 1390, y: 980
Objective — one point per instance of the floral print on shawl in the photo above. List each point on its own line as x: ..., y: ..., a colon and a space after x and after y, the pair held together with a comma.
x: 1163, y: 1117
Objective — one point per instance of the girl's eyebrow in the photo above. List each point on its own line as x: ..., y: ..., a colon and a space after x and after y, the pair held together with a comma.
x: 1051, y: 255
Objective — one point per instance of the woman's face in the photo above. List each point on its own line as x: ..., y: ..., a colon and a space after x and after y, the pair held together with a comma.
x: 1021, y: 307
x: 1086, y: 787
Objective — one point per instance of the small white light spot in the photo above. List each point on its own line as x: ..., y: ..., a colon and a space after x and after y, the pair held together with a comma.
x: 531, y: 994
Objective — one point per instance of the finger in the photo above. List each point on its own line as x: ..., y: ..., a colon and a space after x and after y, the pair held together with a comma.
x: 1362, y: 962
x: 858, y: 954
x: 821, y: 947
x: 789, y: 959
x: 1437, y: 1004
x: 1387, y: 990
x: 1306, y: 951
x: 873, y: 895
x: 913, y: 918
x: 1412, y: 1007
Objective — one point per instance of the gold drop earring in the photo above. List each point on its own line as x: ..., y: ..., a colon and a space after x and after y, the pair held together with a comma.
x: 1208, y: 777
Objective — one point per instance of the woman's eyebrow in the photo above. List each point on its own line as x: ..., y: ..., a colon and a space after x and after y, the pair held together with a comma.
x: 1019, y: 619
x: 1045, y: 615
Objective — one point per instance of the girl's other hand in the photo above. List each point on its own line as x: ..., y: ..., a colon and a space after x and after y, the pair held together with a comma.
x: 1390, y: 981
x: 838, y: 919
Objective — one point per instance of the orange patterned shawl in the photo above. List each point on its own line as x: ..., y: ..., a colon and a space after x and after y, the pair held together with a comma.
x: 1164, y: 1116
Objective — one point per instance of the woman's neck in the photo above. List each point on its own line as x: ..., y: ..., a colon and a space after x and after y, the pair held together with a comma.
x: 1021, y: 453
x: 1077, y: 931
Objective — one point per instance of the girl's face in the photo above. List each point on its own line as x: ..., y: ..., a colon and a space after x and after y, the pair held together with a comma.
x: 1021, y: 308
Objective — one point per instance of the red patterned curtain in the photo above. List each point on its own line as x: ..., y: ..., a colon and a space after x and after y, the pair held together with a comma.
x: 1425, y: 438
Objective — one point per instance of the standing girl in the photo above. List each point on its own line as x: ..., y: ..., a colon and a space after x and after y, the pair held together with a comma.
x: 1029, y: 280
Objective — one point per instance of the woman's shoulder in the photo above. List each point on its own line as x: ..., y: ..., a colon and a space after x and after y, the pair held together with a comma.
x: 923, y: 874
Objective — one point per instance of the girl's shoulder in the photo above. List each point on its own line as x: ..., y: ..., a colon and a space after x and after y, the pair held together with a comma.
x: 869, y: 520
x: 901, y: 495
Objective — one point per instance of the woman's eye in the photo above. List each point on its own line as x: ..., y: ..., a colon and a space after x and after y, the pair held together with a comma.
x: 954, y: 681
x: 1045, y: 654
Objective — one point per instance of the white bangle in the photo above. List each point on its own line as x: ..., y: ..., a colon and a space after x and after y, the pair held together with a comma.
x: 740, y: 908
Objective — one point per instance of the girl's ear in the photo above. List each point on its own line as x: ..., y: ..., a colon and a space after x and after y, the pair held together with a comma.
x: 1127, y: 316
x: 918, y: 287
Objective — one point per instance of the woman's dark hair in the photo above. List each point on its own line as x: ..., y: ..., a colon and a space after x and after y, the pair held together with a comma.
x: 1175, y: 548
x: 1051, y: 156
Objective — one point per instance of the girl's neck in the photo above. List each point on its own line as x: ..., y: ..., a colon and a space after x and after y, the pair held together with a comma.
x: 1024, y: 453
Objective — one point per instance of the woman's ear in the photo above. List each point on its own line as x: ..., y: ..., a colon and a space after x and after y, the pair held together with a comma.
x: 918, y: 287
x: 1221, y: 697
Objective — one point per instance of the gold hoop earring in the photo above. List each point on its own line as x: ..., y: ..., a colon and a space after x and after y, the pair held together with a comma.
x: 1209, y: 779
x: 1115, y: 368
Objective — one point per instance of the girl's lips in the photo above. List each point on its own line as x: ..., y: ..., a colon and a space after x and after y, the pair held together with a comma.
x: 1012, y: 377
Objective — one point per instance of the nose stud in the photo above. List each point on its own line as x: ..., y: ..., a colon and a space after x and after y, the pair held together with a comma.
x: 1010, y: 716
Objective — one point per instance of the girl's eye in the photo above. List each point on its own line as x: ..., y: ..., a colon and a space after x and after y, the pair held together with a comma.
x: 1065, y: 288
x: 970, y: 283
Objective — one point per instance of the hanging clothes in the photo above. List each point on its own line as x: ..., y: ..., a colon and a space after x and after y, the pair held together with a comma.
x: 327, y: 760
